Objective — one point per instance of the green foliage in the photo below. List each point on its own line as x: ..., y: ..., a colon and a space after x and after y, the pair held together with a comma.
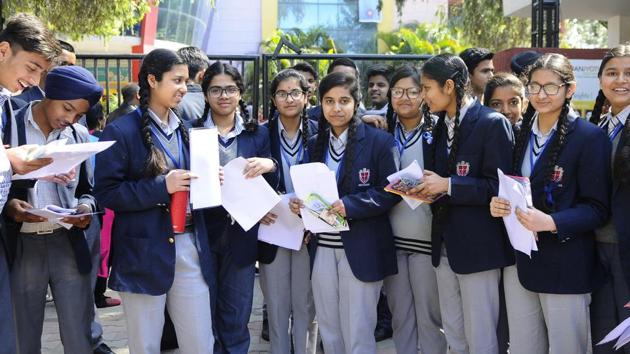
x: 79, y: 18
x: 423, y: 39
x: 584, y: 34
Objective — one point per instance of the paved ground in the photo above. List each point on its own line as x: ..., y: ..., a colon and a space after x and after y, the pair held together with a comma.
x: 113, y: 321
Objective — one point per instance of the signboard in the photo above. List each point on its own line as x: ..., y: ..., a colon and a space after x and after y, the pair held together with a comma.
x: 587, y: 85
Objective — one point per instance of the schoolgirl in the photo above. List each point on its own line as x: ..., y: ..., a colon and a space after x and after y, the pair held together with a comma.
x: 505, y: 93
x: 613, y: 240
x: 349, y: 267
x: 153, y: 267
x: 469, y: 247
x: 567, y: 161
x: 233, y: 249
x: 284, y: 273
x: 412, y: 293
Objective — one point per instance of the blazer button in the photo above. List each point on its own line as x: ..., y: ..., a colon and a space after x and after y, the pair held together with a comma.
x: 171, y: 240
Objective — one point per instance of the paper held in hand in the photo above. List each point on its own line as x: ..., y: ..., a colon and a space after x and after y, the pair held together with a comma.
x: 517, y: 190
x: 65, y: 157
x: 287, y: 231
x: 205, y: 190
x: 246, y: 199
x: 315, y: 184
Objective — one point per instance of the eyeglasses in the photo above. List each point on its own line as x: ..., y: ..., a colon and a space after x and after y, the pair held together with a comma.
x: 411, y: 92
x: 283, y: 95
x: 217, y: 91
x: 549, y: 89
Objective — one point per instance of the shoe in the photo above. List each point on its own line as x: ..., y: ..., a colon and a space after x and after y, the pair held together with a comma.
x: 103, y: 349
x: 107, y: 302
x: 382, y: 333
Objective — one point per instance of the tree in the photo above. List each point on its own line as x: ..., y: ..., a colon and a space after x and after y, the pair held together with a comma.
x: 79, y: 18
x: 423, y: 39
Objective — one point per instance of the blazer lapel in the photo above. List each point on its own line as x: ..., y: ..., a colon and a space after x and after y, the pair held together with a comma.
x: 358, y: 149
x: 542, y: 160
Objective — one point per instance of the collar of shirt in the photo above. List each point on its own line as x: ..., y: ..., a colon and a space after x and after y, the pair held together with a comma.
x: 340, y: 142
x: 537, y: 131
x: 621, y: 116
x: 239, y: 126
x: 4, y: 96
x: 31, y: 120
x: 412, y: 130
x: 283, y: 131
x: 167, y: 128
x: 462, y: 111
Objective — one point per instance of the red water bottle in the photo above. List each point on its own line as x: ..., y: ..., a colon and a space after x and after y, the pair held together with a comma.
x: 179, y: 206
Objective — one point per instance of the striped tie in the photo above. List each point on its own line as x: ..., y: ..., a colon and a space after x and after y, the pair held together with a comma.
x: 612, y: 124
x: 450, y: 125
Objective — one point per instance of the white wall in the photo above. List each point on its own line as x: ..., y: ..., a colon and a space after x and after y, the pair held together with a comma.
x: 421, y: 11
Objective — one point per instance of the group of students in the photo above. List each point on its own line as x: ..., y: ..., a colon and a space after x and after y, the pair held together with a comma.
x: 445, y: 267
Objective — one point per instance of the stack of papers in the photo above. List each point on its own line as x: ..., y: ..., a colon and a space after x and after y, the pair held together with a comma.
x: 247, y: 200
x: 287, y: 231
x: 65, y: 157
x: 622, y: 331
x: 205, y: 190
x: 315, y: 181
x: 55, y: 213
x: 518, y: 192
x: 410, y: 177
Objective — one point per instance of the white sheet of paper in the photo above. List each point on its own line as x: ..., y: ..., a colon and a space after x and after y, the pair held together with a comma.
x: 624, y: 338
x: 287, y: 231
x: 521, y: 239
x: 247, y: 200
x: 66, y: 157
x: 205, y: 191
x: 54, y: 214
x: 412, y: 171
x: 616, y: 332
x: 317, y: 178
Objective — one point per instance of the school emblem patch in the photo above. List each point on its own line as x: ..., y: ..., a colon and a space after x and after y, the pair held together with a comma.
x: 556, y: 175
x: 364, y: 176
x: 463, y: 168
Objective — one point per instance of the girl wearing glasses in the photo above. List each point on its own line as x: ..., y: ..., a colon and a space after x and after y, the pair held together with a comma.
x: 567, y: 161
x: 349, y: 267
x: 469, y: 247
x: 234, y: 250
x: 412, y: 293
x: 613, y: 240
x: 284, y: 273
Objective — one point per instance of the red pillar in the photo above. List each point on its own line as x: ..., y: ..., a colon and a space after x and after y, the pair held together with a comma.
x: 148, y: 32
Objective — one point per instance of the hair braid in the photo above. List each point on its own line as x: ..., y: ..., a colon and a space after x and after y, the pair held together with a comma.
x: 202, y: 120
x: 348, y: 155
x: 452, y: 156
x: 429, y: 127
x: 390, y: 116
x: 557, y: 144
x: 596, y: 116
x: 155, y: 164
x: 322, y: 138
x: 305, y: 129
x: 523, y: 138
x: 251, y: 124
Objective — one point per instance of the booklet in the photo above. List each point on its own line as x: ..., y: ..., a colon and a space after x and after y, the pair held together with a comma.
x: 404, y: 180
x: 315, y: 204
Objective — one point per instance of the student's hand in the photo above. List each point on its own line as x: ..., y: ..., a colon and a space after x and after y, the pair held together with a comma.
x: 307, y: 237
x: 257, y: 166
x: 62, y: 179
x: 221, y: 175
x: 268, y: 219
x: 500, y: 207
x: 535, y: 220
x: 83, y: 221
x: 375, y: 120
x: 627, y: 305
x: 432, y: 184
x: 295, y: 204
x: 338, y: 208
x: 17, y: 210
x: 178, y: 180
x: 17, y: 157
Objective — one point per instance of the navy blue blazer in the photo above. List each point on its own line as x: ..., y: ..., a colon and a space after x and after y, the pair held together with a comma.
x: 266, y: 251
x: 620, y: 207
x: 143, y: 257
x: 241, y: 244
x: 369, y: 244
x: 474, y: 240
x: 566, y: 262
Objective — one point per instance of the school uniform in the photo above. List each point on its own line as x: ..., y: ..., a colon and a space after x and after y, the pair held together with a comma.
x: 234, y: 250
x: 349, y: 267
x: 46, y: 253
x: 7, y: 330
x: 153, y: 268
x: 469, y: 246
x: 412, y: 293
x: 608, y: 300
x: 284, y: 273
x: 548, y: 295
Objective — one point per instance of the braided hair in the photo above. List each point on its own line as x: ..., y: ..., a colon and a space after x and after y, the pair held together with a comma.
x: 156, y: 63
x: 561, y: 66
x: 283, y: 75
x: 219, y: 68
x: 349, y: 82
x: 621, y: 161
x: 441, y: 68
